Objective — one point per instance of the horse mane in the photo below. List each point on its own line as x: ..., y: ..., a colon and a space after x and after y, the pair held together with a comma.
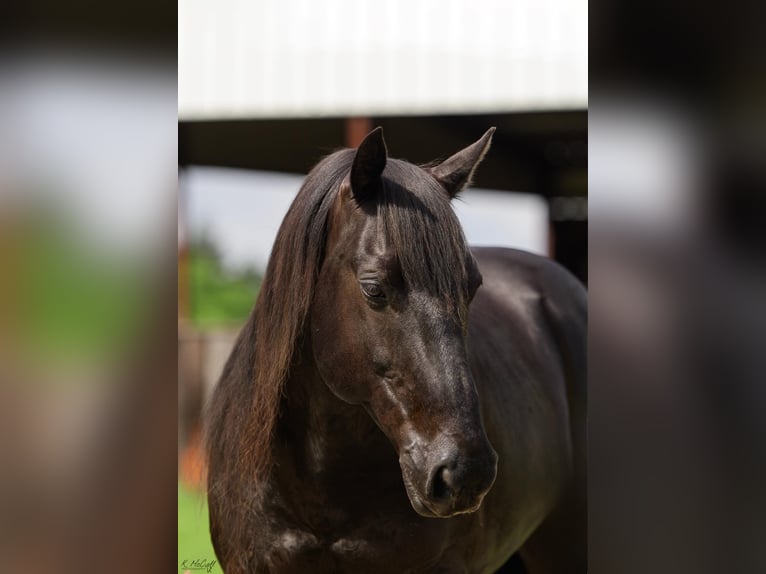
x: 254, y: 376
x: 426, y: 235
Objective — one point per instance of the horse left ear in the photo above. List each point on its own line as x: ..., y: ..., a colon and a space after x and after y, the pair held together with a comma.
x: 369, y: 163
x: 455, y: 172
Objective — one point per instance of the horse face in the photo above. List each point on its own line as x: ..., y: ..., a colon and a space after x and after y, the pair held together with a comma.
x: 401, y: 354
x: 392, y: 345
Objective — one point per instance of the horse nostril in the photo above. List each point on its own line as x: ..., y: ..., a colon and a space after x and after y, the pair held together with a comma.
x: 441, y: 484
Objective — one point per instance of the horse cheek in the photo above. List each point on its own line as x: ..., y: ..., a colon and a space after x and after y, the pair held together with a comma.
x: 339, y: 355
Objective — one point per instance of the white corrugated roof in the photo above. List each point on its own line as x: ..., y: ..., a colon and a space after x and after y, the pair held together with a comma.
x: 291, y: 58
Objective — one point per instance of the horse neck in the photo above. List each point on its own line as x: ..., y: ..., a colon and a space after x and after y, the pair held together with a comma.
x: 320, y: 434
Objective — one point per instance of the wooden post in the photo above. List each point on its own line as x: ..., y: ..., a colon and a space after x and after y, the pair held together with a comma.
x: 356, y: 129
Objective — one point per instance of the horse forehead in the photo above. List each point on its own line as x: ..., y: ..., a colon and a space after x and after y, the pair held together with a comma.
x: 373, y: 245
x: 383, y: 262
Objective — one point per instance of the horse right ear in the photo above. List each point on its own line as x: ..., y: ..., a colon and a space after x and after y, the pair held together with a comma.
x: 369, y: 162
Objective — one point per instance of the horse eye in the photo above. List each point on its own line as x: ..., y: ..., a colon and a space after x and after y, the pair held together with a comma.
x: 373, y: 291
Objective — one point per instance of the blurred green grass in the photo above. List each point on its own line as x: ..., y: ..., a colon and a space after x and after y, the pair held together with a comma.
x: 193, y: 532
x: 219, y: 296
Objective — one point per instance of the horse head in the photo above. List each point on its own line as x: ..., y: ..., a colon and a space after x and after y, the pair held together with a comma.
x: 388, y: 320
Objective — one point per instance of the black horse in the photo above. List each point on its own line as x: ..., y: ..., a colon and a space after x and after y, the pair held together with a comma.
x: 367, y: 422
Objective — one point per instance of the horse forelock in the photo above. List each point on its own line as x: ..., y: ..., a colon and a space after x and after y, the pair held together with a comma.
x: 424, y: 232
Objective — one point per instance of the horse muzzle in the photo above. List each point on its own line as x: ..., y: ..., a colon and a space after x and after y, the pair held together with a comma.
x: 455, y: 484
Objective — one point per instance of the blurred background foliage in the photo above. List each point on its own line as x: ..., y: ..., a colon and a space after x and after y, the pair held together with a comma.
x: 79, y: 305
x: 219, y: 296
x: 220, y: 300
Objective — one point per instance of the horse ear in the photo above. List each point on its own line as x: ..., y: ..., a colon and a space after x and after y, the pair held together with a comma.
x: 369, y: 162
x: 455, y: 172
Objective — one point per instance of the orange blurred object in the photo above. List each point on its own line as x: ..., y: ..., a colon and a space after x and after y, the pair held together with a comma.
x: 191, y: 467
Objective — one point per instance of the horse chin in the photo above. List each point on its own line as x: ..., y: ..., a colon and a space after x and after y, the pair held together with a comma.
x: 419, y: 506
x: 427, y: 508
x: 423, y: 509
